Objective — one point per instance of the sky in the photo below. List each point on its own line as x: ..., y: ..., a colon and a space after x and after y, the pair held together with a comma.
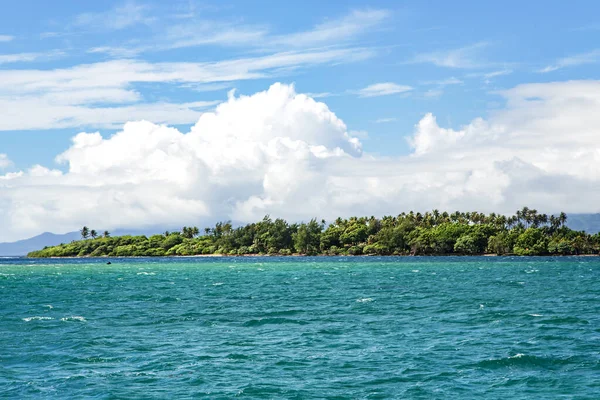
x: 135, y: 114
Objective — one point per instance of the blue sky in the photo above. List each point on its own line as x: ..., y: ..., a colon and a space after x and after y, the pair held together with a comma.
x: 290, y: 107
x: 454, y: 55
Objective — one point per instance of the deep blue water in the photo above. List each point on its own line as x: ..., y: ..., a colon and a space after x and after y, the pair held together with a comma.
x: 337, y: 328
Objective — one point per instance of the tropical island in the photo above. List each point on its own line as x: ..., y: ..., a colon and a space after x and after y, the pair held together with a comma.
x: 527, y: 233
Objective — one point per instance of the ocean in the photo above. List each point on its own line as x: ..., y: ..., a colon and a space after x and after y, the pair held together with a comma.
x: 300, y: 328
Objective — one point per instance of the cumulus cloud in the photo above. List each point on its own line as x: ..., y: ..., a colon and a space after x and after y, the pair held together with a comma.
x: 282, y: 153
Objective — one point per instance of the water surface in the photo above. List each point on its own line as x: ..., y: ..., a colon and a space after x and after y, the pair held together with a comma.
x: 339, y: 328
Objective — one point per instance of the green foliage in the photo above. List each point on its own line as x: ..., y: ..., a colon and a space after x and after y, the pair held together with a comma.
x: 431, y: 233
x: 307, y: 238
x: 532, y: 242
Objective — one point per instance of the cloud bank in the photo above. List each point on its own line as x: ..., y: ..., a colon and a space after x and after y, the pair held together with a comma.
x: 282, y: 153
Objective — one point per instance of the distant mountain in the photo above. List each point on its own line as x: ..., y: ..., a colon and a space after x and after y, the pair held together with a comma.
x: 584, y: 222
x: 22, y: 247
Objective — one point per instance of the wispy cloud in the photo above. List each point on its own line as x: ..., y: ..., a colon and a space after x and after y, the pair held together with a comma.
x: 4, y: 161
x: 433, y: 93
x: 103, y: 94
x: 385, y: 120
x: 591, y: 57
x: 6, y: 38
x: 445, y: 82
x: 463, y: 57
x: 202, y: 32
x: 346, y: 27
x: 383, y: 89
x: 321, y: 95
x: 489, y: 76
x: 29, y: 57
x: 118, y: 18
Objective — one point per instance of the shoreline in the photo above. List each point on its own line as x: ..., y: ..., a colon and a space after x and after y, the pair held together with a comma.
x: 316, y: 255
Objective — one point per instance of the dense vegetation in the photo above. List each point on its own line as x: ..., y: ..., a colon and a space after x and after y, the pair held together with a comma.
x: 431, y: 233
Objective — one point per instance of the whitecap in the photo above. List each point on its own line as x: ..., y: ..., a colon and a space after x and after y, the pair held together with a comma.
x: 73, y: 318
x: 364, y: 300
x: 535, y: 315
x: 146, y: 273
x: 415, y: 270
x: 481, y: 306
x: 217, y: 283
x: 48, y: 306
x: 518, y: 355
x: 36, y: 318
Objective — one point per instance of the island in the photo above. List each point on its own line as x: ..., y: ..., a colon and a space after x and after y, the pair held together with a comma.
x: 527, y: 233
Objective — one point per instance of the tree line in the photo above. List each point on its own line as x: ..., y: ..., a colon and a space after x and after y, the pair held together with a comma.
x: 527, y: 232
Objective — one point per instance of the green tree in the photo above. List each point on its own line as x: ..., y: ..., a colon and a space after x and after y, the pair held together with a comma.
x: 93, y: 234
x: 532, y: 242
x: 466, y: 244
x: 85, y: 232
x: 308, y: 237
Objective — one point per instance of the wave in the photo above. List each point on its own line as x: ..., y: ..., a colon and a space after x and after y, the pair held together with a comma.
x: 75, y: 318
x: 364, y: 300
x: 36, y: 318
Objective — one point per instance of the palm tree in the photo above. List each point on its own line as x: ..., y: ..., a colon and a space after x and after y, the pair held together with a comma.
x: 106, y: 234
x: 562, y: 219
x: 85, y: 232
x: 93, y: 234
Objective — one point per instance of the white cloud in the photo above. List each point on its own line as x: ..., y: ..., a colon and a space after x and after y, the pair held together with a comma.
x: 118, y: 18
x: 464, y: 57
x: 445, y: 82
x: 385, y: 120
x: 29, y: 57
x: 591, y: 57
x: 383, y: 89
x: 433, y: 93
x: 237, y: 160
x: 501, y: 72
x: 284, y: 154
x: 350, y: 25
x: 6, y: 38
x: 86, y: 95
x: 203, y: 32
x: 4, y: 161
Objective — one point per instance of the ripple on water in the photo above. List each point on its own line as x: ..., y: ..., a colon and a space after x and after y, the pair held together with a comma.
x: 521, y: 360
x: 340, y: 328
x: 273, y: 321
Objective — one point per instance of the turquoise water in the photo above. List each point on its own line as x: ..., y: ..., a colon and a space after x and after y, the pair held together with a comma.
x: 338, y: 328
